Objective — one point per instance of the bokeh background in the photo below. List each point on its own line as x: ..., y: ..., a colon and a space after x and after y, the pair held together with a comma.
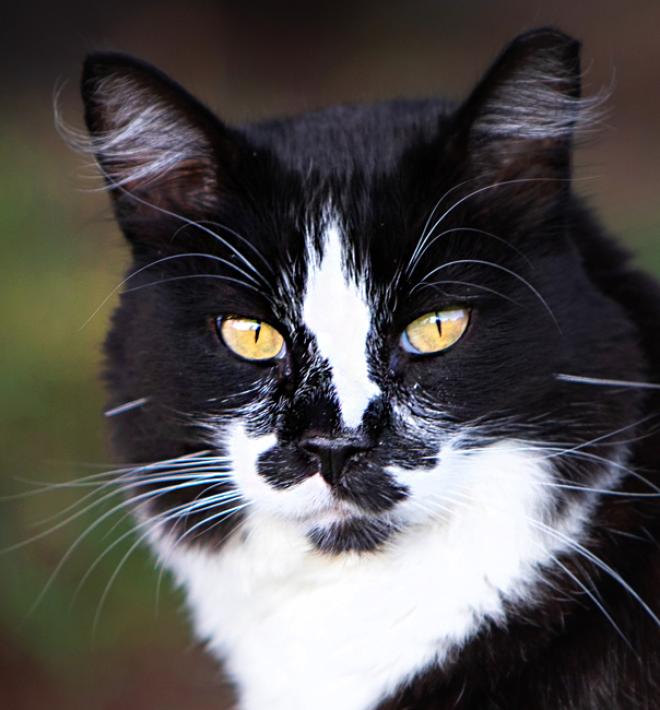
x: 61, y: 256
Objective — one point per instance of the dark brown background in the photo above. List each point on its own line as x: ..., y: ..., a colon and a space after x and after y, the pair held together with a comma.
x: 61, y: 256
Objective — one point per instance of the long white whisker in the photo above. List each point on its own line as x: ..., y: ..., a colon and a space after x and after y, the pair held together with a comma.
x: 211, y: 474
x: 503, y: 183
x: 171, y: 279
x: 586, y: 554
x: 88, y: 530
x: 468, y: 230
x: 191, y: 223
x: 583, y: 380
x: 425, y: 232
x: 133, y: 274
x: 594, y: 599
x: 499, y: 267
x: 471, y: 285
x: 165, y: 516
x: 126, y: 407
x: 119, y: 567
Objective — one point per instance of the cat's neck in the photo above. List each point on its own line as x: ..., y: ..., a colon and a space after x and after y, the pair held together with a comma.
x: 298, y: 629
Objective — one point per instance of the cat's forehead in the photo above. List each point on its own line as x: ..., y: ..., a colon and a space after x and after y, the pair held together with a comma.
x: 338, y: 138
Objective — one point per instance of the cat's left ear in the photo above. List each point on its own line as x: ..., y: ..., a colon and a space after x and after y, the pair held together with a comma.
x: 519, y: 122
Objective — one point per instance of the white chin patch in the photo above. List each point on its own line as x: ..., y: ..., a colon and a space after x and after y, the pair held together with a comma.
x: 337, y: 314
x: 302, y: 630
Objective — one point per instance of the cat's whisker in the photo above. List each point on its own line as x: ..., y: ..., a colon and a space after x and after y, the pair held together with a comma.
x: 197, y: 225
x: 573, y: 545
x: 492, y: 186
x: 493, y: 265
x: 166, y: 259
x: 600, y: 491
x: 467, y: 230
x: 200, y: 224
x: 479, y: 287
x: 617, y: 465
x: 585, y: 554
x: 122, y: 562
x: 162, y: 562
x: 594, y: 600
x: 166, y: 516
x: 113, y: 474
x: 614, y: 432
x: 126, y: 407
x: 210, y: 474
x: 141, y: 497
x: 106, y: 479
x: 205, y: 521
x: 577, y: 453
x: 424, y: 235
x: 171, y: 279
x: 598, y: 562
x: 583, y: 380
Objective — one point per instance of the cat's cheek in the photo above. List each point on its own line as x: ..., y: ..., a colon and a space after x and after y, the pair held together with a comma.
x: 503, y: 482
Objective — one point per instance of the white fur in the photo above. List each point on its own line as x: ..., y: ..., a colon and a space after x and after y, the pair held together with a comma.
x: 301, y: 630
x: 534, y: 104
x: 144, y: 137
x: 336, y: 312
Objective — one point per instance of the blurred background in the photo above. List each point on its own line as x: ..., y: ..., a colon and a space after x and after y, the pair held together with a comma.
x: 67, y: 639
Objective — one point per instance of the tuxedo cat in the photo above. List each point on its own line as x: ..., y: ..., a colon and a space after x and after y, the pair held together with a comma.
x: 393, y: 388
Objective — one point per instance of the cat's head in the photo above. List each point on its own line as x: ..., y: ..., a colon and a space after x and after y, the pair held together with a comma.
x: 359, y: 321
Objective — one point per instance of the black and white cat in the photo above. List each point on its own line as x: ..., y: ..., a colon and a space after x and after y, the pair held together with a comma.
x: 391, y: 382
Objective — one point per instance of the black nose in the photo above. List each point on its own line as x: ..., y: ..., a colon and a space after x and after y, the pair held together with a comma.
x: 333, y: 454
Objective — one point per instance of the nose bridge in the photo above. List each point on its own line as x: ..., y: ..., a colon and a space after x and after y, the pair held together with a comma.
x: 315, y: 402
x: 337, y: 314
x: 317, y: 407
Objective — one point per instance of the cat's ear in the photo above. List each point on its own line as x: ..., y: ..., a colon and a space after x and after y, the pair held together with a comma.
x: 159, y: 149
x: 519, y: 122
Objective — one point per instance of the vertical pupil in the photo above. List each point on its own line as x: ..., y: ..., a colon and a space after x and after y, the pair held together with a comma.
x: 257, y: 330
x: 438, y: 324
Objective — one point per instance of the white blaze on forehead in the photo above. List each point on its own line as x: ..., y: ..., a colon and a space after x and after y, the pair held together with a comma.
x: 337, y: 314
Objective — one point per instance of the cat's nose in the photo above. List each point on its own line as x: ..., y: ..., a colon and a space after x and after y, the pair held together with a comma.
x: 333, y: 453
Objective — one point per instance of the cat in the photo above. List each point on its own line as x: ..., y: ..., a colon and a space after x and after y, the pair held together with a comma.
x: 393, y: 385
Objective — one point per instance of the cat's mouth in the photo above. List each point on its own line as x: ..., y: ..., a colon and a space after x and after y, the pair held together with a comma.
x: 343, y: 526
x: 333, y: 511
x: 357, y: 510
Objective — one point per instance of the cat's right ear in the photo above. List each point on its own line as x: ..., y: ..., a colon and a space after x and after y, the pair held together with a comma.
x: 161, y: 152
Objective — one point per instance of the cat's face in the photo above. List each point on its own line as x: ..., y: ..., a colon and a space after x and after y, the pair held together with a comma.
x: 357, y: 321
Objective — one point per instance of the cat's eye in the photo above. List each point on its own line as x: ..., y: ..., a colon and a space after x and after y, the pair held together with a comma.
x: 251, y: 339
x: 435, y: 331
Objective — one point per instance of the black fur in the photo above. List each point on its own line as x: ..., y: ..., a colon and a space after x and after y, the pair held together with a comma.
x: 548, y: 294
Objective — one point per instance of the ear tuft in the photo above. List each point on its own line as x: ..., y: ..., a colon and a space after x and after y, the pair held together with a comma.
x: 152, y: 140
x: 533, y: 90
x: 519, y: 123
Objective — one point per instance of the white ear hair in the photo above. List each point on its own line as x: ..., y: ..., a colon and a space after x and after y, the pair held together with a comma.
x: 533, y: 104
x: 145, y: 138
x: 531, y: 109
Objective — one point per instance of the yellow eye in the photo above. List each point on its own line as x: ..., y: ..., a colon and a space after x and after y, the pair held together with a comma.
x: 252, y: 339
x: 435, y: 331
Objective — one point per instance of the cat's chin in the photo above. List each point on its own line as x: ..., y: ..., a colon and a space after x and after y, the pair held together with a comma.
x: 352, y: 534
x: 340, y: 526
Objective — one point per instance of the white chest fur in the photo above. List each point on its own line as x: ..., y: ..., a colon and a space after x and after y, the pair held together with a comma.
x: 299, y: 630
